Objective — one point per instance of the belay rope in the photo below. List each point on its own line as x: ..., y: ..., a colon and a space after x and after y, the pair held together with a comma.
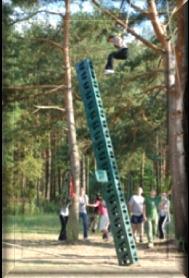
x: 122, y: 7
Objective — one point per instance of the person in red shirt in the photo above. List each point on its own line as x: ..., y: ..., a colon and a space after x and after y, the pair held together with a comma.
x: 104, y: 218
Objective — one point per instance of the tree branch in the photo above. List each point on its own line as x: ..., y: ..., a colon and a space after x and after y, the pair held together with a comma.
x: 30, y: 87
x: 129, y: 30
x: 39, y: 107
x: 57, y: 45
x: 32, y: 15
x: 7, y: 98
x: 176, y: 9
x: 138, y: 9
x: 158, y: 27
x: 157, y: 87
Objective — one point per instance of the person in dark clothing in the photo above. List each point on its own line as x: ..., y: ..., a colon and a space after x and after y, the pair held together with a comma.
x: 63, y: 215
x: 120, y: 54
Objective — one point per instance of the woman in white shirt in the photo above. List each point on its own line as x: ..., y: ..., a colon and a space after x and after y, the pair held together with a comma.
x: 164, y: 214
x: 136, y: 208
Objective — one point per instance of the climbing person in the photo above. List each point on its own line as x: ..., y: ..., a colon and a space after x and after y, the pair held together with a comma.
x: 95, y: 217
x: 120, y: 54
x: 164, y: 214
x: 83, y: 202
x: 63, y: 215
x: 151, y: 205
x: 104, y: 218
x: 136, y: 208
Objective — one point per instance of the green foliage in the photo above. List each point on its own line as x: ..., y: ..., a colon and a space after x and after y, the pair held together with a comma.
x: 136, y: 113
x: 31, y: 168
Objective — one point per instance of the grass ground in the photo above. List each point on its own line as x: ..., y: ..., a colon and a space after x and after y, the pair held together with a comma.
x: 31, y: 249
x: 41, y: 223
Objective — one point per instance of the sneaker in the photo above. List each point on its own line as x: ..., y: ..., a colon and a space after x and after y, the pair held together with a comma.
x: 109, y: 71
x: 150, y: 245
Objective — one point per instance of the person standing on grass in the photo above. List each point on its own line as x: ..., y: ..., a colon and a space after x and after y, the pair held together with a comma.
x: 64, y: 214
x: 136, y: 208
x: 104, y: 218
x: 83, y: 203
x: 151, y: 205
x: 164, y: 214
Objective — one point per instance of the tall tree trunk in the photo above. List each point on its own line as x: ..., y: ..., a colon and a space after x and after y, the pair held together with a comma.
x: 73, y: 224
x: 37, y: 192
x: 83, y: 173
x: 53, y: 174
x: 175, y: 79
x: 176, y: 148
x: 87, y: 174
x: 48, y: 170
x: 59, y: 181
x: 23, y: 194
x: 142, y: 169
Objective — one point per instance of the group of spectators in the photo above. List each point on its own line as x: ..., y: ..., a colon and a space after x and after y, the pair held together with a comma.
x: 151, y: 212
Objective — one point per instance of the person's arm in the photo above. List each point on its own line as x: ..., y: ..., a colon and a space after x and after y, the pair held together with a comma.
x: 95, y: 205
x: 144, y: 210
x: 130, y: 204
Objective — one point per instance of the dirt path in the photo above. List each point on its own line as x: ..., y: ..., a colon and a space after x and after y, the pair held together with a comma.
x: 41, y: 255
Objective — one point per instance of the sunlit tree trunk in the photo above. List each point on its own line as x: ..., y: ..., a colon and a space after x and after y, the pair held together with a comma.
x: 178, y: 171
x: 73, y: 224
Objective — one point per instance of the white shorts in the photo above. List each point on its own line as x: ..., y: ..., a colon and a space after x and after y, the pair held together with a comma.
x: 104, y: 222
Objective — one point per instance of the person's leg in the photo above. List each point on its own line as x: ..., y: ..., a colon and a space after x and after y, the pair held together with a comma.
x: 106, y: 224
x: 155, y: 226
x: 109, y: 64
x: 134, y: 229
x: 141, y: 231
x: 85, y: 225
x: 121, y: 54
x: 140, y: 227
x: 95, y: 225
x: 92, y: 222
x: 160, y: 228
x: 149, y: 231
x: 134, y: 224
x: 64, y: 234
x: 81, y: 217
x: 105, y: 234
x: 164, y: 222
x: 62, y: 227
